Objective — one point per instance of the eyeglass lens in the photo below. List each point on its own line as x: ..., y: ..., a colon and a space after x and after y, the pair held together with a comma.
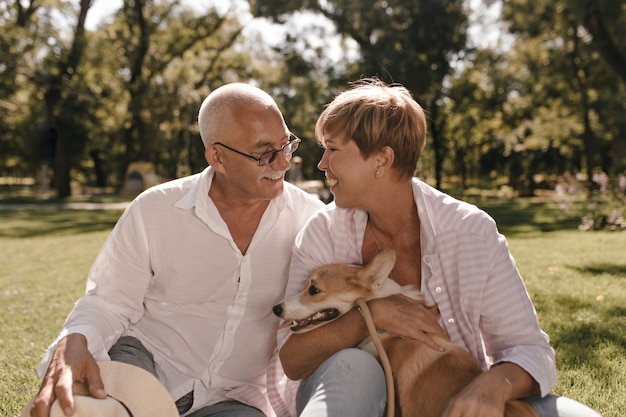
x: 287, y: 149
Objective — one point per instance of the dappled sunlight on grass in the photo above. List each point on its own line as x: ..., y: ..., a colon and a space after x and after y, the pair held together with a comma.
x: 43, y: 273
x: 526, y: 217
x: 614, y: 269
x: 575, y: 279
x: 42, y: 222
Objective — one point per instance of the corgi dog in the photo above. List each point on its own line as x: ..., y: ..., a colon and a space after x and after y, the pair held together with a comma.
x: 424, y: 379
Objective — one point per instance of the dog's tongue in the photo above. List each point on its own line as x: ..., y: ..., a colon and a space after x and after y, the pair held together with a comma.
x: 286, y: 323
x: 295, y: 324
x: 320, y: 316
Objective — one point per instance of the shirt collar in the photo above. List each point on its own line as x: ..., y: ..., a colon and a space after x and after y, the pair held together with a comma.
x: 424, y: 210
x: 198, y: 189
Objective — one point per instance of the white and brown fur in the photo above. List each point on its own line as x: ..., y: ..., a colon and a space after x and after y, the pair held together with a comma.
x: 425, y: 380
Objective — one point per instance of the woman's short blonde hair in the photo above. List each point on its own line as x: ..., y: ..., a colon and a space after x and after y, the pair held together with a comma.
x: 374, y: 115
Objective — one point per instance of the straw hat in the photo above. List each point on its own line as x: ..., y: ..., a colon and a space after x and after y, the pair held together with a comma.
x: 131, y: 391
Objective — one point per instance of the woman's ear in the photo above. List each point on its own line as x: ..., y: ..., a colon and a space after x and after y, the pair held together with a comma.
x: 384, y: 160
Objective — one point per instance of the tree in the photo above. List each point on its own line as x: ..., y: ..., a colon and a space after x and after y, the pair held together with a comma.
x: 568, y: 78
x: 412, y: 42
x: 156, y: 39
x: 604, y: 21
x: 40, y: 53
x: 137, y: 91
x: 23, y: 35
x: 61, y: 72
x: 474, y: 105
x: 135, y: 94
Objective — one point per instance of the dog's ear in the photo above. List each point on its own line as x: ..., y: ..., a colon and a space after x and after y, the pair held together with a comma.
x: 379, y: 269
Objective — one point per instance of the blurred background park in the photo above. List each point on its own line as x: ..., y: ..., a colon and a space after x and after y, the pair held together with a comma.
x: 521, y: 95
x: 526, y: 101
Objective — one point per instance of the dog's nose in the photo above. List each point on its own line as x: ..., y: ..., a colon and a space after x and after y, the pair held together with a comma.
x: 278, y: 310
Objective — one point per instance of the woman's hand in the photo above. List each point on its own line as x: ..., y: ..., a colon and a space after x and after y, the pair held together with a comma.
x: 484, y: 397
x: 403, y: 316
x: 487, y: 395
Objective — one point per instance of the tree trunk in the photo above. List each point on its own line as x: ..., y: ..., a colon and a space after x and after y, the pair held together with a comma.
x: 62, y: 177
x: 96, y: 157
x: 602, y: 40
x: 135, y: 132
x: 53, y: 95
x: 580, y: 76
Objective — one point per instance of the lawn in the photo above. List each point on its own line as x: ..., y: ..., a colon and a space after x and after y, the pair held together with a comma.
x: 576, y: 279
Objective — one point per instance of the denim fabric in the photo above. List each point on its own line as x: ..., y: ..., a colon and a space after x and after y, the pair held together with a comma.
x: 228, y: 409
x: 556, y: 406
x: 351, y: 383
x: 130, y: 350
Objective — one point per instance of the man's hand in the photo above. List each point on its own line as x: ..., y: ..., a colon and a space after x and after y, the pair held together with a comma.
x: 71, y: 363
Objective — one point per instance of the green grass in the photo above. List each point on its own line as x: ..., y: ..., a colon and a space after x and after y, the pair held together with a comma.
x: 45, y: 255
x: 576, y: 279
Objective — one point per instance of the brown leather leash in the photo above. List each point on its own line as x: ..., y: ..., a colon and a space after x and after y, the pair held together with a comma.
x: 384, y: 359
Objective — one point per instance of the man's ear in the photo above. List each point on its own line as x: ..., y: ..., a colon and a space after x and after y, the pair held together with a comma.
x: 214, y: 158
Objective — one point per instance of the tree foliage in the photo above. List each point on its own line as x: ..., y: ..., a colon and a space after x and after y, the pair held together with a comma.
x: 136, y: 94
x: 571, y: 80
x: 546, y: 102
x: 412, y: 42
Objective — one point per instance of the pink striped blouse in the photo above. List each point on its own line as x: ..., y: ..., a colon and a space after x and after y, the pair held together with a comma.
x: 467, y: 270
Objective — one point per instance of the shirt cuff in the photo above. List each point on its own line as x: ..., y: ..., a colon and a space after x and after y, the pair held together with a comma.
x: 94, y: 343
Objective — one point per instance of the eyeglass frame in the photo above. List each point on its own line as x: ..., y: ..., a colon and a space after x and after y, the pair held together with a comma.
x: 293, y: 140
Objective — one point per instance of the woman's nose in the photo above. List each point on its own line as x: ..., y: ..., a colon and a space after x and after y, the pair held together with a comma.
x: 322, y: 164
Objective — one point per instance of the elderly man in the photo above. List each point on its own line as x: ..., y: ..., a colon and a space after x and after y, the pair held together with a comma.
x: 184, y: 285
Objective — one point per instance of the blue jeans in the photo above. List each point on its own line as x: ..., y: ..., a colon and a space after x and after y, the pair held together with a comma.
x: 557, y: 406
x: 352, y: 383
x: 227, y: 409
x: 130, y: 350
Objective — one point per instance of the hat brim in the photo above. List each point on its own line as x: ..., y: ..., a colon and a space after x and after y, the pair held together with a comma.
x: 93, y: 407
x: 135, y: 388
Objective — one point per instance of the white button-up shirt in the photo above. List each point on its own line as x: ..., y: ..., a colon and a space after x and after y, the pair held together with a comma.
x: 467, y: 270
x: 171, y: 275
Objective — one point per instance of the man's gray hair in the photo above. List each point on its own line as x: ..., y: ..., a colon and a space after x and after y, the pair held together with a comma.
x: 215, y: 118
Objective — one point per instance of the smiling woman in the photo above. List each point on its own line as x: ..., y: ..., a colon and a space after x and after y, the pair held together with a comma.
x: 373, y: 135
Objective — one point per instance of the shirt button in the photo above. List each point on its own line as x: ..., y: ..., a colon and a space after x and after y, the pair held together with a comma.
x: 438, y: 290
x: 450, y: 321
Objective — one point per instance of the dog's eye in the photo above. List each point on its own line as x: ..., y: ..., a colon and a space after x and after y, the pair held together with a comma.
x: 313, y: 290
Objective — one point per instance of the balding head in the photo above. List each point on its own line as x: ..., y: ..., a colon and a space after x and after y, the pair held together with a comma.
x: 216, y: 118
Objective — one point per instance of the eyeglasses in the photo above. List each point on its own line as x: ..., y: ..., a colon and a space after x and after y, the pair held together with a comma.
x: 268, y: 157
